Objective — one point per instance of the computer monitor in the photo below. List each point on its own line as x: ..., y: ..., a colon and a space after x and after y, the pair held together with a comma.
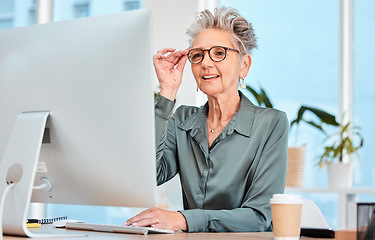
x: 88, y: 82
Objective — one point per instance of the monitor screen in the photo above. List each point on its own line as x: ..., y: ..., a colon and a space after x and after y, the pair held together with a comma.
x: 93, y: 78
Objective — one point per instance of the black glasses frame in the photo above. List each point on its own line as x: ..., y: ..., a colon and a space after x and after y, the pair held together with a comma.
x: 209, y: 53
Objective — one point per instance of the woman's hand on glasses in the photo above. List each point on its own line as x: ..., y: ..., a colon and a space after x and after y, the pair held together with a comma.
x: 169, y: 65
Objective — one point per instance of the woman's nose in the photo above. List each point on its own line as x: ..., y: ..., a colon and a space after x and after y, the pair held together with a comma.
x: 207, y: 61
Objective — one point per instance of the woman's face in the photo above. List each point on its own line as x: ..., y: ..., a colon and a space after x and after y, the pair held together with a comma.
x: 217, y: 78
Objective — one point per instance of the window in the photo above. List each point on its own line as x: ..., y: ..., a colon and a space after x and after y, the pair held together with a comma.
x: 32, y: 12
x: 297, y: 63
x: 81, y: 9
x: 6, y: 23
x: 364, y: 86
x: 6, y: 6
x: 131, y: 4
x: 66, y: 10
x: 6, y: 14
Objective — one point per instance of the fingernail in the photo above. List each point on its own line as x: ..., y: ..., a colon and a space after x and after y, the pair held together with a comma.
x: 125, y: 224
x: 134, y: 224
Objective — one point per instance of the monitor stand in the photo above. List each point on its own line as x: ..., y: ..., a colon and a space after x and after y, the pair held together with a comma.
x: 18, y: 166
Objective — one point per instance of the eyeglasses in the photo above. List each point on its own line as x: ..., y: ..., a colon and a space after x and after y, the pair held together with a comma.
x: 216, y: 53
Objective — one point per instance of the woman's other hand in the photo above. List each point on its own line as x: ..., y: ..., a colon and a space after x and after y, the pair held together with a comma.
x: 159, y: 218
x: 169, y: 65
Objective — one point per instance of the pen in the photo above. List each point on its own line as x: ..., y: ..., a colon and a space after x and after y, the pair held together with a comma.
x: 32, y: 220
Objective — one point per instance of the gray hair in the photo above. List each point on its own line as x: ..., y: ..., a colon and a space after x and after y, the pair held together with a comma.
x: 227, y: 19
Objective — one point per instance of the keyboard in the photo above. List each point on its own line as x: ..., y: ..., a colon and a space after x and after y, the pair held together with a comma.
x: 115, y: 228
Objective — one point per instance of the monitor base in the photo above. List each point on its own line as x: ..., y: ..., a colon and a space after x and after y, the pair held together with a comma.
x: 18, y: 166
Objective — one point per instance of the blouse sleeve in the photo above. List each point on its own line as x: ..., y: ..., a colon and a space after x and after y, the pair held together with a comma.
x: 166, y: 156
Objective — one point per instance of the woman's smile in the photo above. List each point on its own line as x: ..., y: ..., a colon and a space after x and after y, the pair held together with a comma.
x: 210, y: 77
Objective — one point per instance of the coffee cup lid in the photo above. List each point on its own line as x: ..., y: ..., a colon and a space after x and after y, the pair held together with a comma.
x: 286, y: 199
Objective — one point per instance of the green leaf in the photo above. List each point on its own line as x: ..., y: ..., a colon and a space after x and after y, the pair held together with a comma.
x: 345, y: 128
x: 315, y: 125
x: 323, y: 116
x: 261, y: 97
x: 255, y: 94
x: 266, y: 101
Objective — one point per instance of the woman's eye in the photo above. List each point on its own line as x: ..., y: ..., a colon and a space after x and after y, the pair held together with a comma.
x: 197, y: 55
x: 219, y: 53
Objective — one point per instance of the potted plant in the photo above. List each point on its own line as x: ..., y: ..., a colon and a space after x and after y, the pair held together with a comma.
x: 296, y: 155
x: 337, y: 145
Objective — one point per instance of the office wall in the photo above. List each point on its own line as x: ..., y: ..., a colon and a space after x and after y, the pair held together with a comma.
x: 171, y: 18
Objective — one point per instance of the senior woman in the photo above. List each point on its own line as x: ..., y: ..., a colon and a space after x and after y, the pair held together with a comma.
x: 230, y: 154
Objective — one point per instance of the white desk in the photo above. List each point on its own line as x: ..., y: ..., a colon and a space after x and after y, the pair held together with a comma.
x: 176, y: 236
x: 348, y: 199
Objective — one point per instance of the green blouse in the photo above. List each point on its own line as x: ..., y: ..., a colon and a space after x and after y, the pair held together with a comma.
x: 228, y: 186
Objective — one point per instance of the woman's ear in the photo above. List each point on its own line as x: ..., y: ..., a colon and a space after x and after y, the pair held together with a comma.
x: 245, y: 65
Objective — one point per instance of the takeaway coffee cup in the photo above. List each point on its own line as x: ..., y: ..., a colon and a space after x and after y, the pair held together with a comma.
x: 286, y: 214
